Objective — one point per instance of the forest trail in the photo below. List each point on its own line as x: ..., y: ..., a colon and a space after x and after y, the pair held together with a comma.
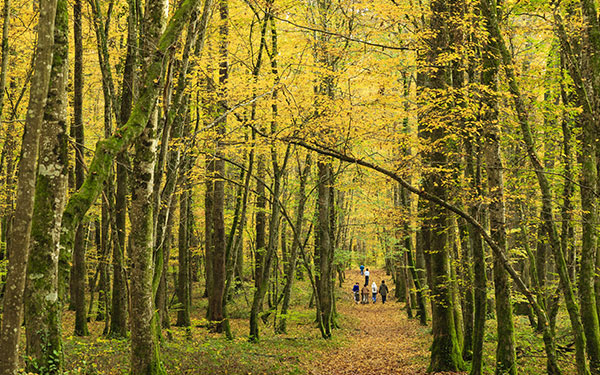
x: 383, y: 341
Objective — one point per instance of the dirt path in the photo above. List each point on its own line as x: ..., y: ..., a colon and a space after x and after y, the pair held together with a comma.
x: 383, y: 340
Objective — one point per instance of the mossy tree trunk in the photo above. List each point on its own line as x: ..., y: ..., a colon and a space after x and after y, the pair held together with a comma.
x: 42, y: 306
x: 145, y: 352
x: 118, y: 321
x: 144, y: 348
x: 446, y: 349
x: 505, y: 349
x: 18, y: 247
x: 589, y: 180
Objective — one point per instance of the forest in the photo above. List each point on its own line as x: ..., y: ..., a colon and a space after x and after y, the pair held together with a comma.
x: 195, y: 187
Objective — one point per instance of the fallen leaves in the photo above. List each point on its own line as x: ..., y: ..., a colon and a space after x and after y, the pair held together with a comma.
x: 383, y: 341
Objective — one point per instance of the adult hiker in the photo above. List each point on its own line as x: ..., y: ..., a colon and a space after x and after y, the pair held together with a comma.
x: 356, y: 291
x: 365, y: 294
x: 367, y: 273
x: 374, y: 291
x: 362, y: 269
x: 383, y: 291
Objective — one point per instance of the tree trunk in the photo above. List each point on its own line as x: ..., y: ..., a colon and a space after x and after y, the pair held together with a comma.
x: 505, y: 350
x: 445, y: 351
x: 106, y: 150
x: 42, y: 306
x: 290, y: 271
x: 145, y: 353
x: 183, y: 281
x: 18, y: 247
x: 218, y: 242
x: 118, y: 322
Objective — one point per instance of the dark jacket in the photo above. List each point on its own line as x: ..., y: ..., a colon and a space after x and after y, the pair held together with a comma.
x: 383, y: 289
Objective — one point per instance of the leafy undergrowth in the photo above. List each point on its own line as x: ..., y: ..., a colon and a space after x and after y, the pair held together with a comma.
x: 531, y: 357
x: 197, y: 351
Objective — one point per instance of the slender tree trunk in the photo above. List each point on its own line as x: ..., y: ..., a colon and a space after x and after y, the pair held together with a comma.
x: 5, y: 52
x: 183, y: 281
x: 118, y: 322
x: 78, y: 274
x: 106, y: 151
x: 42, y: 306
x: 323, y: 242
x: 145, y: 353
x: 290, y: 273
x: 218, y: 242
x: 18, y: 247
x: 479, y: 264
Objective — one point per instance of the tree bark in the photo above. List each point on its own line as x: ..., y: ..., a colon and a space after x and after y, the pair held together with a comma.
x: 42, y: 306
x: 290, y: 272
x: 505, y: 349
x: 78, y: 273
x: 548, y: 217
x: 145, y: 353
x: 118, y: 322
x: 446, y: 350
x: 217, y: 168
x: 18, y: 247
x: 183, y: 281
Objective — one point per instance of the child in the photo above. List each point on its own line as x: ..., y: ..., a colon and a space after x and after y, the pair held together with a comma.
x: 362, y: 270
x: 365, y: 294
x: 374, y: 290
x: 356, y: 290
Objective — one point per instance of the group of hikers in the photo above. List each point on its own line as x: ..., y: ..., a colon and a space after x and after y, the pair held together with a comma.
x: 362, y: 295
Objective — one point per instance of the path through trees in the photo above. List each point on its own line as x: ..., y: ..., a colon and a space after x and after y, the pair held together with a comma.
x: 382, y: 341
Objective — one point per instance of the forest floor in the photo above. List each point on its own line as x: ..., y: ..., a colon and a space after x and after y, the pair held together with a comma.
x: 373, y: 339
x: 382, y: 340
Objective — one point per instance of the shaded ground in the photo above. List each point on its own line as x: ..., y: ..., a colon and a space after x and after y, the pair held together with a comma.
x: 381, y: 338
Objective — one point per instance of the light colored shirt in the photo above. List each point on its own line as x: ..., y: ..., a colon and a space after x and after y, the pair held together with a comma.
x: 366, y: 273
x: 374, y: 287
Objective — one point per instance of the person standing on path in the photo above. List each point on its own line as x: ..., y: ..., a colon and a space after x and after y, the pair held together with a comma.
x: 356, y: 290
x: 383, y: 291
x: 365, y: 294
x: 374, y: 291
x: 367, y: 276
x: 362, y: 269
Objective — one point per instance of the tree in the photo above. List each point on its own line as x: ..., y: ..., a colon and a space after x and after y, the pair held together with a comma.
x: 18, y: 248
x: 42, y: 305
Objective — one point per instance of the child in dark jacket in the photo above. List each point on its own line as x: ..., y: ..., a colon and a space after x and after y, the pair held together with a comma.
x: 356, y: 291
